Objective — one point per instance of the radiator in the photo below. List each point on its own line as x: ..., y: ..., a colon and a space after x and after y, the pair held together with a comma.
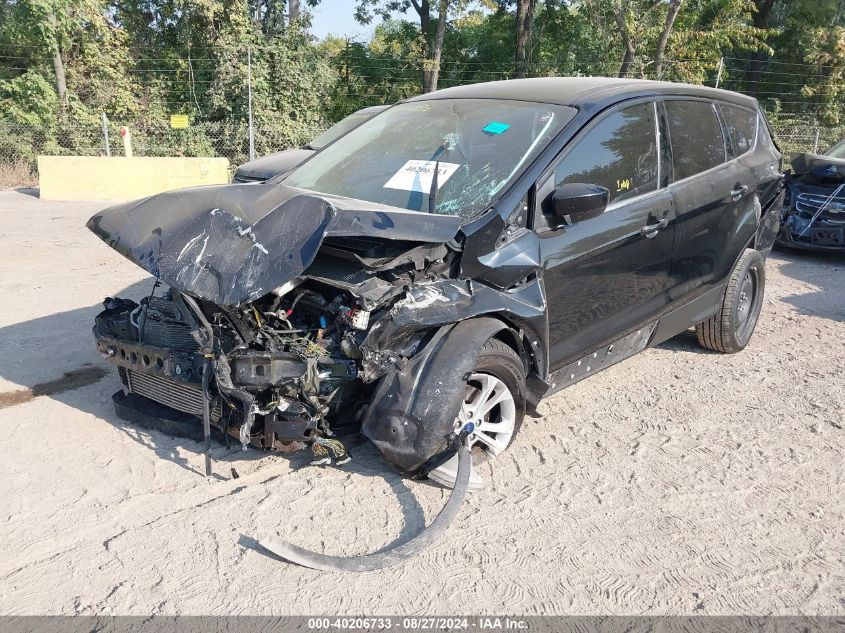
x: 165, y: 327
x: 182, y: 396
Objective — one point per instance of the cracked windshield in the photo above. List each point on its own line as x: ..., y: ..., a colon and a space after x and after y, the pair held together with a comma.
x: 475, y: 146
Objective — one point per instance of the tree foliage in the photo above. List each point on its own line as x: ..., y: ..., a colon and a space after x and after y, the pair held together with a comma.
x: 63, y: 63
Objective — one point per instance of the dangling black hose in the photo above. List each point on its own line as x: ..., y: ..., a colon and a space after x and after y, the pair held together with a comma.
x: 206, y: 410
x: 387, y: 558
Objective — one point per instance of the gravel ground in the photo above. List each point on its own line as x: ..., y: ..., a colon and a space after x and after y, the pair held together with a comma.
x: 679, y: 481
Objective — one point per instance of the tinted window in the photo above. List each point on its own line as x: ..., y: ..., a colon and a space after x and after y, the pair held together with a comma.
x: 696, y: 137
x: 619, y: 153
x: 741, y: 124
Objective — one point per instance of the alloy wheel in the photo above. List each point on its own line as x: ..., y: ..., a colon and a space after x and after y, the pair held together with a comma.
x: 489, y: 405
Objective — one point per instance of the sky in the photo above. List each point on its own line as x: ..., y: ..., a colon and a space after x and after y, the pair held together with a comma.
x: 338, y: 17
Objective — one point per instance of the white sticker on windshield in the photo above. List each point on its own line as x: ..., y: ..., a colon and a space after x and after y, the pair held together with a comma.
x: 416, y: 175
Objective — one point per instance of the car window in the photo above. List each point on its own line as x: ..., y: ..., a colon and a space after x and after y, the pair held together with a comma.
x: 741, y: 124
x: 477, y: 148
x: 619, y: 153
x: 696, y: 137
x: 838, y: 150
x: 342, y: 127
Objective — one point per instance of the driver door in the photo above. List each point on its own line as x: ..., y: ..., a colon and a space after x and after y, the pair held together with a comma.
x: 609, y: 275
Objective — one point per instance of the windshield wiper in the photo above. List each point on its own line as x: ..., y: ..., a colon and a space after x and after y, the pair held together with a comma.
x: 432, y: 194
x: 447, y: 143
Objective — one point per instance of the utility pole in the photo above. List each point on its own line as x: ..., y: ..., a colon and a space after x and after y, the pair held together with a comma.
x: 721, y: 68
x: 106, y: 134
x: 249, y: 102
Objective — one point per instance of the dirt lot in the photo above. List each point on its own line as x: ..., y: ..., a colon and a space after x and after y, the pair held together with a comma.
x: 679, y: 481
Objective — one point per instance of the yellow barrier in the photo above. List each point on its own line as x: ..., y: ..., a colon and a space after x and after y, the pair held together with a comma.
x: 119, y: 178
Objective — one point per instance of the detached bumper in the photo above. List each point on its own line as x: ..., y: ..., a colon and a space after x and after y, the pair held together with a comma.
x: 168, y: 378
x: 162, y: 389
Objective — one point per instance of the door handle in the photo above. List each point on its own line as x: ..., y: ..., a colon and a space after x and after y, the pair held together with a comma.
x: 738, y: 191
x: 650, y: 230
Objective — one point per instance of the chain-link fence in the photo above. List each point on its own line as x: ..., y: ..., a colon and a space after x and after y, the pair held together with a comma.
x: 794, y: 139
x: 229, y: 139
x: 21, y: 144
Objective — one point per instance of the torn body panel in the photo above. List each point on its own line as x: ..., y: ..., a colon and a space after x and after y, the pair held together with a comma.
x: 413, y: 412
x: 442, y: 302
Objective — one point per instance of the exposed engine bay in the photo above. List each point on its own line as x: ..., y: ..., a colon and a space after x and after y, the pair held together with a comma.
x: 295, y: 365
x: 294, y: 318
x: 288, y: 320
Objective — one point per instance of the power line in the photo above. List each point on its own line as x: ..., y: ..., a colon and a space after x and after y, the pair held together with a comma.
x: 774, y: 62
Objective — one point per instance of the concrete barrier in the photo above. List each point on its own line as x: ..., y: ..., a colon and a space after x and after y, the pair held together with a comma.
x: 119, y: 178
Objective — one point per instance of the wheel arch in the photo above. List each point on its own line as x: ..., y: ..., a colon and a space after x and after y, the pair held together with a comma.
x: 413, y: 407
x: 519, y: 341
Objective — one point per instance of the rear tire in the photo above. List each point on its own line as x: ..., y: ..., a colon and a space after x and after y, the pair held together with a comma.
x: 730, y: 329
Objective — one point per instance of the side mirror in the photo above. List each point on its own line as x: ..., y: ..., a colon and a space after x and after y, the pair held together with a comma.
x: 576, y: 201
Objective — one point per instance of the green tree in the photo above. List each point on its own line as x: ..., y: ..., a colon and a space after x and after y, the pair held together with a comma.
x: 696, y: 30
x: 433, y: 16
x: 524, y: 35
x: 827, y: 51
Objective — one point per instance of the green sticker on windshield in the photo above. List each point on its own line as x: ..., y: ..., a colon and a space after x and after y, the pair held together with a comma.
x: 494, y: 127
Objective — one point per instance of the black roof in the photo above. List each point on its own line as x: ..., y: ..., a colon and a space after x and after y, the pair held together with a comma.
x: 581, y: 91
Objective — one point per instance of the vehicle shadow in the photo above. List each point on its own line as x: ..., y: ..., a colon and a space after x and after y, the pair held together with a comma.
x: 55, y: 354
x: 824, y: 271
x: 686, y: 341
x: 55, y: 357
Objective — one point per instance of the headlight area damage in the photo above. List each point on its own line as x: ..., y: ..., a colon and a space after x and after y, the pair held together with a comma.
x: 291, y: 318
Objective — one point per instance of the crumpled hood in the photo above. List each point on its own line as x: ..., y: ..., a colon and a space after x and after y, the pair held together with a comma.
x: 230, y: 244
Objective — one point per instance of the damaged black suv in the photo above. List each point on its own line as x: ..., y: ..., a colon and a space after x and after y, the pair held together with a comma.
x: 447, y: 264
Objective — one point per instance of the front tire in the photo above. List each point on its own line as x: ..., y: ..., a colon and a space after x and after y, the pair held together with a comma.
x: 730, y: 329
x: 494, y: 400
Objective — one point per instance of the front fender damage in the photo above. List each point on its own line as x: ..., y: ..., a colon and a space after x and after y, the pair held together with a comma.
x: 411, y: 417
x: 433, y: 304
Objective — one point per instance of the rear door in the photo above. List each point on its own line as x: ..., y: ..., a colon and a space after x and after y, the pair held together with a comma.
x: 607, y: 275
x: 713, y: 196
